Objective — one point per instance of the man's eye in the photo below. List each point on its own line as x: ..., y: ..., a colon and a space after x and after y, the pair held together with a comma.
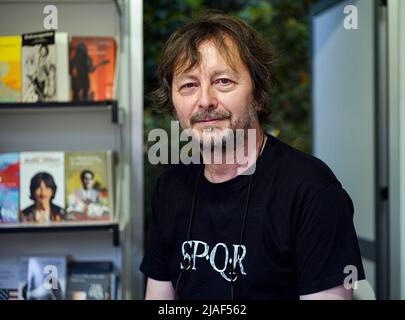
x: 223, y: 81
x: 188, y: 85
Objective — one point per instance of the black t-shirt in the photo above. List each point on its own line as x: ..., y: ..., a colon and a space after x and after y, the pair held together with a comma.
x: 298, y: 236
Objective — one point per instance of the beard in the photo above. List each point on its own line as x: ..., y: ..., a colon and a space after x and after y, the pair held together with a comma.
x: 217, y: 136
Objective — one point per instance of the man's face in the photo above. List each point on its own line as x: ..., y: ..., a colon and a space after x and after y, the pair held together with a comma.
x: 214, y: 97
x: 43, y: 194
x: 88, y: 181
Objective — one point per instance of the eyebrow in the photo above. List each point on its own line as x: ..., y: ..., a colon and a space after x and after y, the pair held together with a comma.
x: 185, y: 76
x: 216, y: 73
x: 226, y: 71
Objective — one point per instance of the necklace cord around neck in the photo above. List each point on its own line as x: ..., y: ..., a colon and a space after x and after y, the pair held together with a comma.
x: 245, y: 211
x: 186, y: 262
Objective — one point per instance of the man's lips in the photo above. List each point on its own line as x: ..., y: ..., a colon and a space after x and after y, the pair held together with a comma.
x: 210, y: 120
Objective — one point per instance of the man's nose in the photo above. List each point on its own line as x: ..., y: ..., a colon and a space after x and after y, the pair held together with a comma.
x: 208, y: 98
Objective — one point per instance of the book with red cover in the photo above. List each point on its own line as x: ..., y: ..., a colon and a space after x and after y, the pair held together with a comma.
x: 92, y: 68
x: 9, y: 187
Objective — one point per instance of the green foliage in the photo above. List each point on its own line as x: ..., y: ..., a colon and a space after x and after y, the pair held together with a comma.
x: 284, y: 25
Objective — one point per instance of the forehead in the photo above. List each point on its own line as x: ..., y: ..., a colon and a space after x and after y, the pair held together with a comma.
x: 42, y: 183
x: 211, y: 54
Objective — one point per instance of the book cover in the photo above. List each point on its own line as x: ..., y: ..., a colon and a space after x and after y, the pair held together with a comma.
x: 10, y: 69
x: 42, y: 187
x: 9, y: 187
x: 88, y: 185
x: 46, y: 278
x: 45, y: 67
x: 62, y: 74
x: 22, y: 278
x: 90, y: 281
x: 92, y: 68
x: 8, y: 282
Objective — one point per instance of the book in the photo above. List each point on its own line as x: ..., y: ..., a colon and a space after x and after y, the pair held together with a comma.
x: 89, y: 186
x: 62, y: 74
x: 10, y: 69
x: 92, y: 68
x: 45, y: 66
x: 42, y: 187
x: 46, y: 278
x: 8, y: 282
x: 22, y: 278
x: 9, y: 187
x: 91, y: 281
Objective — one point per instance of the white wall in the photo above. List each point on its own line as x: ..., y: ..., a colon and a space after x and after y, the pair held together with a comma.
x: 344, y: 109
x: 401, y: 39
x: 135, y: 172
x: 396, y: 68
x: 343, y: 106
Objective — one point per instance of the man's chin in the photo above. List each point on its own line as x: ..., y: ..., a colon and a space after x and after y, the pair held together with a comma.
x: 211, y: 136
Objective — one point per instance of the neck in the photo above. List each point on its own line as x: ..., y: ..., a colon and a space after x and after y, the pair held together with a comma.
x: 217, y: 173
x: 42, y: 206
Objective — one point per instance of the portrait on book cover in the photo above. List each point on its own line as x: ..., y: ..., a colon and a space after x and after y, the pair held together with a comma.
x: 42, y: 192
x: 42, y: 187
x: 87, y: 186
x: 39, y: 73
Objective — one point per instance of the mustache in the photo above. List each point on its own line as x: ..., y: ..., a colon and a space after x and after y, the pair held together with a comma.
x: 210, y: 115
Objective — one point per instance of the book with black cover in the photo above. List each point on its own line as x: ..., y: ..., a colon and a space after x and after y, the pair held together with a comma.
x: 91, y: 281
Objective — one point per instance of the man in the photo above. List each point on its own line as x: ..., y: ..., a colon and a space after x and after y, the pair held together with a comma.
x: 285, y: 231
x: 88, y: 193
x: 85, y: 202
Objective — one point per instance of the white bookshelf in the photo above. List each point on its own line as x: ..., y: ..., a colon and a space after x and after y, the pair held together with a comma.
x: 70, y: 126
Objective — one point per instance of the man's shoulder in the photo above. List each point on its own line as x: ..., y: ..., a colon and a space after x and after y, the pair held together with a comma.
x: 305, y: 177
x: 28, y: 210
x: 298, y: 167
x: 55, y: 208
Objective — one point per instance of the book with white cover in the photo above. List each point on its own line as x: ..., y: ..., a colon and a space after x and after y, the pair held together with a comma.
x: 42, y: 187
x: 45, y: 66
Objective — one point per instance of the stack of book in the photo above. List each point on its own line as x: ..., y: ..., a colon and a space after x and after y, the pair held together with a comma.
x: 55, y: 278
